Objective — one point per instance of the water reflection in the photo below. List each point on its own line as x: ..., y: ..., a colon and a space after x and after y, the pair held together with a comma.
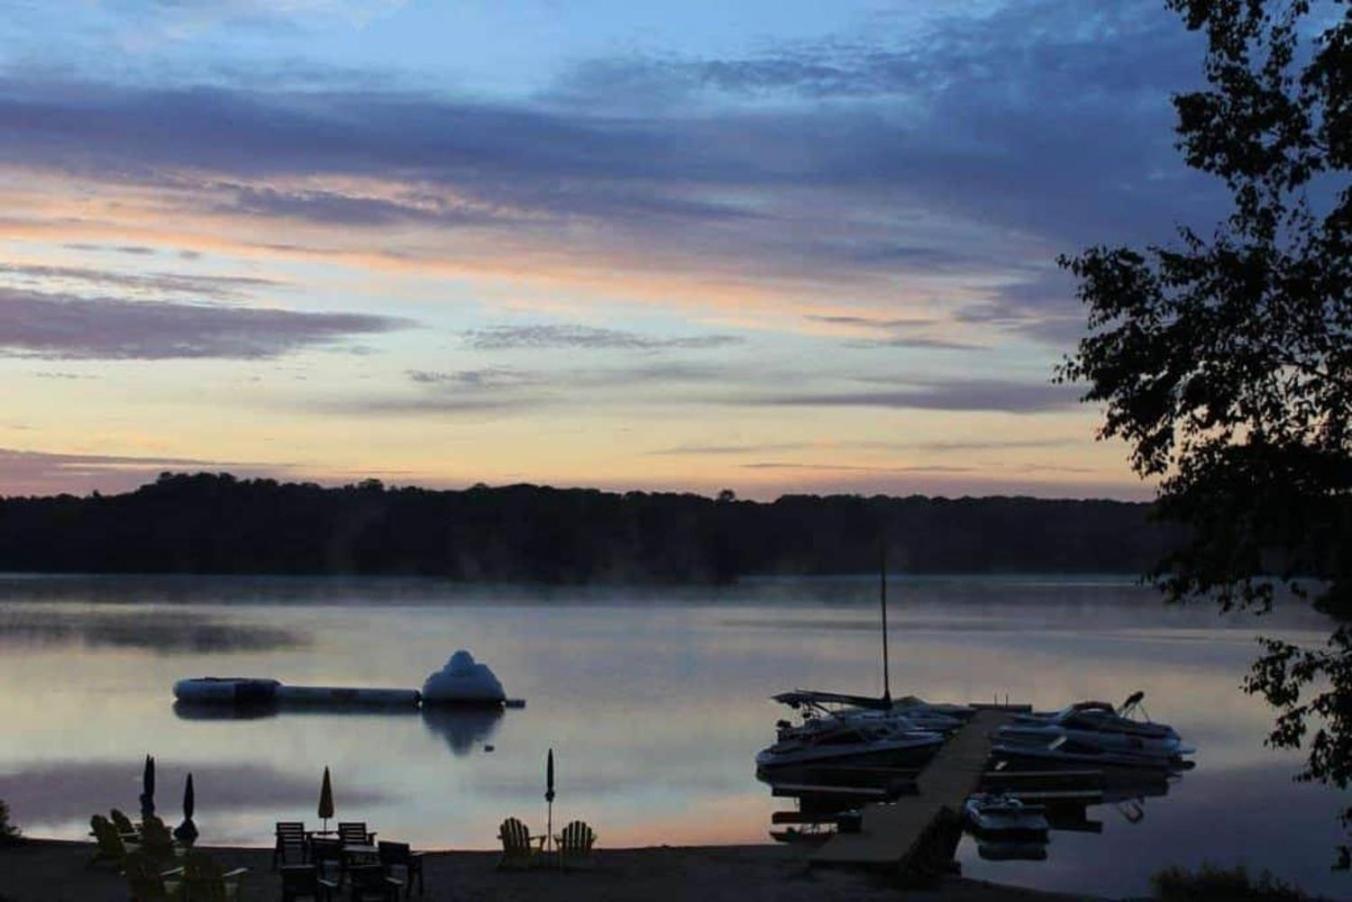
x: 42, y: 793
x: 464, y: 729
x: 186, y: 710
x: 832, y: 799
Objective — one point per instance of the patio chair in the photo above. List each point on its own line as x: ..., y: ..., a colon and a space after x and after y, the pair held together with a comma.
x: 302, y: 881
x: 157, y: 841
x: 109, y: 845
x: 124, y: 825
x: 354, y: 833
x: 575, y: 845
x: 148, y: 883
x: 204, y: 880
x: 326, y: 854
x: 289, y: 843
x: 519, y: 848
x: 398, y: 856
x: 369, y: 883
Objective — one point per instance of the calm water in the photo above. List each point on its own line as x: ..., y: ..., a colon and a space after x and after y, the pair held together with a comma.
x: 655, y: 702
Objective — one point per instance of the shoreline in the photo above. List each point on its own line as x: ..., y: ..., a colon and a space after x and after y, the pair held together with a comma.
x: 55, y: 870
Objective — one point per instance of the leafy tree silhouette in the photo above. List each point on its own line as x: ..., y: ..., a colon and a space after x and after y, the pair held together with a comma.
x: 1226, y: 363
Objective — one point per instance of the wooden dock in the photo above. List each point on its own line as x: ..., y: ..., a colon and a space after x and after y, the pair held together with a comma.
x: 896, y: 835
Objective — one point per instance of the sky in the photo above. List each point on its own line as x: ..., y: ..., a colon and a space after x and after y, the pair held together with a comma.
x: 774, y: 247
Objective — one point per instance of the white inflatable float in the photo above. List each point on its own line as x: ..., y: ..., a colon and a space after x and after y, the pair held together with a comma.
x: 463, y: 681
x: 227, y: 691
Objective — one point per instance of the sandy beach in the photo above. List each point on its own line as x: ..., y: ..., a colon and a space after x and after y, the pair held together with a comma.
x: 56, y: 871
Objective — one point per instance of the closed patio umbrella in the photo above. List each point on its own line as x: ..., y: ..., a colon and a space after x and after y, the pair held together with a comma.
x: 148, y: 790
x: 549, y: 797
x: 326, y: 800
x: 186, y: 832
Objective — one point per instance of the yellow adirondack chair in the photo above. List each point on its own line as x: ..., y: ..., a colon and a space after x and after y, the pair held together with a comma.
x: 109, y: 844
x: 148, y: 883
x: 519, y: 848
x: 204, y: 880
x: 575, y: 845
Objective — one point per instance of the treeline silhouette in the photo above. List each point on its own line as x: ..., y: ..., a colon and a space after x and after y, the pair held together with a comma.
x: 215, y: 523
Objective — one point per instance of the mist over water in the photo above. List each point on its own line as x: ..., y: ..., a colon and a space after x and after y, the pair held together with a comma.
x: 655, y: 701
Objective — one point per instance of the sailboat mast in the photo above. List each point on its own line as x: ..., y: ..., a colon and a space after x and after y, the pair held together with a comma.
x: 882, y: 598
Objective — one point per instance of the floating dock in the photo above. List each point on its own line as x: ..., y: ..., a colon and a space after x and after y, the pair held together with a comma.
x: 912, y: 832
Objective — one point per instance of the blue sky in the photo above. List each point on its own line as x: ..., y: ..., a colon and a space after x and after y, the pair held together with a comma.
x: 773, y: 247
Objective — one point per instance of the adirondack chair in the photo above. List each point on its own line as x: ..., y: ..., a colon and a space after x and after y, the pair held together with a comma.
x: 124, y: 825
x: 157, y: 841
x: 354, y: 833
x: 109, y: 843
x: 575, y: 845
x: 368, y: 883
x: 302, y: 881
x: 519, y: 848
x: 289, y: 843
x: 204, y: 880
x: 326, y: 854
x: 397, y: 856
x: 147, y: 883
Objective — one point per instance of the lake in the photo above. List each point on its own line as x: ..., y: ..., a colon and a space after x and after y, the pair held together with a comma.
x: 654, y: 700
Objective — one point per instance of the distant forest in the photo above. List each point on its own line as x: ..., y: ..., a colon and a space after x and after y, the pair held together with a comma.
x: 215, y: 523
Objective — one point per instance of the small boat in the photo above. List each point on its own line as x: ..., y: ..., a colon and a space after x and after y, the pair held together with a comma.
x: 1066, y: 752
x: 1098, y: 724
x: 1003, y: 816
x: 844, y: 742
x: 838, y: 728
x: 824, y: 710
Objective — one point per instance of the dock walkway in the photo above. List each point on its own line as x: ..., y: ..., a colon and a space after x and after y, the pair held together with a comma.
x: 891, y: 834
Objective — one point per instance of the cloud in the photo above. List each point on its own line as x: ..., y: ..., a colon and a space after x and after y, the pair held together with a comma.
x: 718, y: 450
x: 488, y: 378
x: 846, y: 468
x: 873, y: 322
x: 897, y: 332
x: 992, y: 444
x: 50, y: 374
x: 337, y: 208
x: 217, y: 287
x: 33, y: 324
x: 1043, y: 307
x: 133, y: 249
x: 964, y: 395
x: 916, y: 341
x: 499, y: 391
x: 870, y: 445
x: 40, y: 472
x: 971, y: 147
x: 500, y: 338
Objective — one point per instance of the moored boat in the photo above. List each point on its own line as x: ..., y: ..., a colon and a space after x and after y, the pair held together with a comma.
x: 880, y: 744
x: 999, y: 815
x: 1064, y: 752
x: 1098, y: 725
